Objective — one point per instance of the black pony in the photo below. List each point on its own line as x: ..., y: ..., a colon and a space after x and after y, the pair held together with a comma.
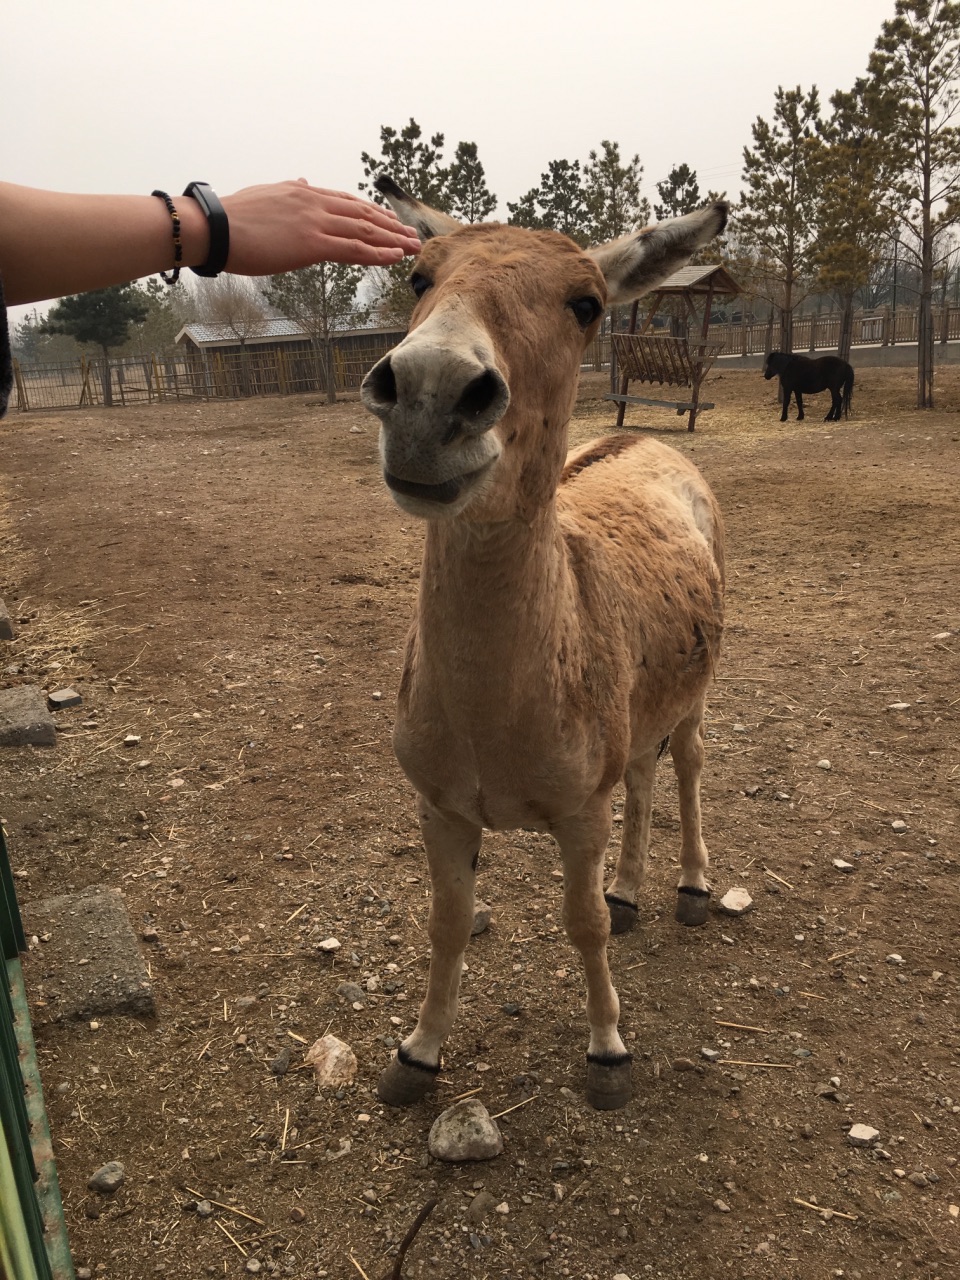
x: 800, y: 374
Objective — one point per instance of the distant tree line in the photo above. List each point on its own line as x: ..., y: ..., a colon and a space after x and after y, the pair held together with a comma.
x: 856, y: 200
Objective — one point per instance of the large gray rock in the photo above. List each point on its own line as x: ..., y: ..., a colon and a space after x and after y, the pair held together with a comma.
x: 463, y: 1132
x: 89, y: 965
x: 24, y: 718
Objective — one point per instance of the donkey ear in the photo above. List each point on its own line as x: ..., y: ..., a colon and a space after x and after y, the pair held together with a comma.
x: 639, y: 262
x: 425, y: 221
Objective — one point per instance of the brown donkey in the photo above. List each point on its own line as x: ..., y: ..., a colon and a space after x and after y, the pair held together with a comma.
x: 570, y: 608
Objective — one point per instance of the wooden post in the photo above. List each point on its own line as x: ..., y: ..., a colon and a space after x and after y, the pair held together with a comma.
x: 21, y: 386
x: 157, y: 378
x: 625, y: 379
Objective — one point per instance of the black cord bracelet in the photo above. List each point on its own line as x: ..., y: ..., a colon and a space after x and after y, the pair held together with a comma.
x: 174, y: 275
x: 219, y: 226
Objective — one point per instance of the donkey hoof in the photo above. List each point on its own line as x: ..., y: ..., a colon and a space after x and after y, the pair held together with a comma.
x: 608, y: 1081
x: 623, y: 914
x: 406, y: 1081
x: 692, y: 905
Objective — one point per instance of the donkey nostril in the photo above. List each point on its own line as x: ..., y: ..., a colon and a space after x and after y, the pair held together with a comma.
x: 479, y: 395
x: 380, y: 383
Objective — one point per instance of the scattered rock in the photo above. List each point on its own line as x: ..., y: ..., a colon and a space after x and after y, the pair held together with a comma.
x: 297, y: 1214
x: 61, y: 698
x: 329, y: 945
x: 463, y: 1132
x: 205, y: 1209
x: 898, y: 824
x: 721, y: 1206
x: 735, y: 902
x: 845, y: 867
x: 711, y: 1055
x: 7, y: 631
x: 894, y: 958
x: 683, y: 1064
x: 898, y: 706
x: 281, y: 1063
x: 481, y: 1204
x: 107, y: 1179
x: 751, y: 791
x: 825, y: 765
x: 943, y: 635
x: 24, y: 718
x: 481, y: 917
x: 131, y: 740
x: 918, y: 1180
x: 862, y: 1135
x: 352, y: 993
x: 781, y: 795
x: 253, y: 1265
x: 334, y: 1063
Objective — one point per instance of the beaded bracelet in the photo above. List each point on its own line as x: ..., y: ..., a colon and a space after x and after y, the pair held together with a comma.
x: 174, y: 275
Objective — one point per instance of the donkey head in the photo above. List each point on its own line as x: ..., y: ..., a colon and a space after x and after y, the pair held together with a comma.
x: 474, y: 402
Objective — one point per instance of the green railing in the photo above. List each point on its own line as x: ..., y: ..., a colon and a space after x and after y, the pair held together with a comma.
x: 33, y: 1240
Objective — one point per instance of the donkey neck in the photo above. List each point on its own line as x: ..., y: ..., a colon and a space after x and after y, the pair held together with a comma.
x: 489, y: 590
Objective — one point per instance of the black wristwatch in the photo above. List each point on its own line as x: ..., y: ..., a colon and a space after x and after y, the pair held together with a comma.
x: 219, y: 226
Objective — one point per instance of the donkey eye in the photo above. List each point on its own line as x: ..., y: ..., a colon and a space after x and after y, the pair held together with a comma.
x: 419, y: 284
x: 585, y: 310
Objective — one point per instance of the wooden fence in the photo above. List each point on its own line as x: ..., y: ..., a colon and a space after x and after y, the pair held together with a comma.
x: 814, y: 333
x: 204, y: 375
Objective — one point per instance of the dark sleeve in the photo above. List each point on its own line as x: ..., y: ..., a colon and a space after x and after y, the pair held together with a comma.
x: 6, y: 360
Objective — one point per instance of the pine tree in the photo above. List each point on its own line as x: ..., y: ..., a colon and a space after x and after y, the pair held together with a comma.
x: 612, y: 191
x: 557, y: 204
x: 103, y: 316
x: 916, y: 64
x: 679, y: 193
x: 413, y: 163
x: 775, y: 217
x: 853, y: 168
x: 470, y: 198
x: 322, y: 299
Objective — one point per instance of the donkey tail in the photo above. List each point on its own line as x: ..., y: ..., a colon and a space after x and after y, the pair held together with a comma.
x: 847, y: 392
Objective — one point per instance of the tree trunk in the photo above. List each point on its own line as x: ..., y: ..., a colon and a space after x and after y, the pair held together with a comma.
x: 925, y: 324
x: 846, y: 326
x: 106, y: 380
x: 786, y: 316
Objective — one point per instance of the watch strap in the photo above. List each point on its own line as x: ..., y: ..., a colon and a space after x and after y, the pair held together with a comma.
x: 219, y: 226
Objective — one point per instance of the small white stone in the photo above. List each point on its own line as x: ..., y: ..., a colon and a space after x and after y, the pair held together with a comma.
x: 898, y: 706
x: 132, y: 740
x: 329, y: 944
x: 843, y: 866
x: 735, y: 902
x: 711, y: 1055
x: 376, y: 695
x: 943, y: 635
x: 898, y: 824
x: 825, y: 765
x: 894, y: 958
x: 862, y: 1135
x: 503, y: 1208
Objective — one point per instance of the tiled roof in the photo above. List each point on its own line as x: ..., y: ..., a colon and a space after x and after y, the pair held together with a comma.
x: 268, y: 331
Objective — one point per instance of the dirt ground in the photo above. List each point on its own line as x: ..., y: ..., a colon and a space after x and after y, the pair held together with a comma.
x: 232, y: 584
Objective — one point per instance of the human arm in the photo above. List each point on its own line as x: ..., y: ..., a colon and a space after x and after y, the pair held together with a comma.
x: 54, y: 243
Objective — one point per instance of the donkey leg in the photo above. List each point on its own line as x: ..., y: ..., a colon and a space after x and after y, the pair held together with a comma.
x: 799, y: 405
x: 582, y: 841
x: 624, y: 889
x: 836, y: 403
x: 785, y: 396
x: 453, y: 846
x: 686, y: 748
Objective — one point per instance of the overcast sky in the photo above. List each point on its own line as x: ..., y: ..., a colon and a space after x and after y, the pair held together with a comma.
x: 125, y: 96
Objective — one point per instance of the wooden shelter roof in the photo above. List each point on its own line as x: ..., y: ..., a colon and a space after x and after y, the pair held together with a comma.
x: 702, y: 279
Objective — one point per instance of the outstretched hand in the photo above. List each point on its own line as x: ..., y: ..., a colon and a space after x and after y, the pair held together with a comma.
x: 286, y: 225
